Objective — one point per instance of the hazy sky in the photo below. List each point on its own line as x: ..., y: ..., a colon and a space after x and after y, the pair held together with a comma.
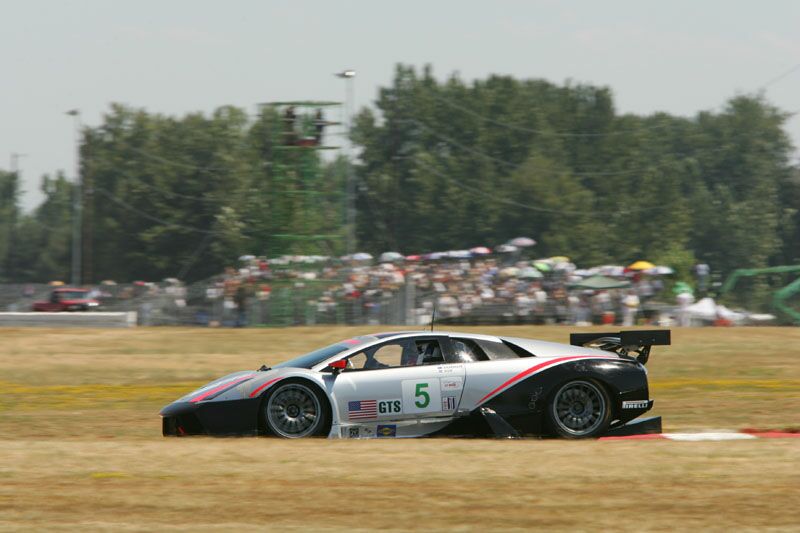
x: 179, y: 56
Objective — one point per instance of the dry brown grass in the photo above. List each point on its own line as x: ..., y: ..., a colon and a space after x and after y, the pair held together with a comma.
x: 80, y: 446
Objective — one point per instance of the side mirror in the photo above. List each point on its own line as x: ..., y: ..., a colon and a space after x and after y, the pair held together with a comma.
x: 337, y: 366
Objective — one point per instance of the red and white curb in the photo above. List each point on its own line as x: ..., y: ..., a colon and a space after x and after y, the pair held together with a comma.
x: 711, y: 435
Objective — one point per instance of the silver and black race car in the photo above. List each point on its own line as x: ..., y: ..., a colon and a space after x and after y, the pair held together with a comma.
x: 415, y: 384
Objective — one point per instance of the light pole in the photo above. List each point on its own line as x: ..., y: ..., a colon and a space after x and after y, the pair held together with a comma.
x: 15, y: 157
x: 76, y: 203
x: 350, y: 207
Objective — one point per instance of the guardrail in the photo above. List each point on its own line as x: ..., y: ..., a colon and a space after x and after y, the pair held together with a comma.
x: 125, y: 319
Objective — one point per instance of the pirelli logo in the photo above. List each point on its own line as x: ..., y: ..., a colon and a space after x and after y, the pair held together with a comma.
x: 637, y: 404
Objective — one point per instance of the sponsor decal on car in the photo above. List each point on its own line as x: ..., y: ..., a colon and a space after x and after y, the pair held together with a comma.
x: 452, y: 384
x: 421, y: 395
x: 386, y: 430
x: 637, y: 404
x: 359, y: 409
x: 358, y: 432
x: 390, y: 407
x: 448, y: 403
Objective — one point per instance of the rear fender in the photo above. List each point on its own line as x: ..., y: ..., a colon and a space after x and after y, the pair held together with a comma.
x: 623, y: 380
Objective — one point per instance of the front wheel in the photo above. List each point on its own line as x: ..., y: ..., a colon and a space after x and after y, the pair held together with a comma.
x: 295, y: 410
x: 580, y: 409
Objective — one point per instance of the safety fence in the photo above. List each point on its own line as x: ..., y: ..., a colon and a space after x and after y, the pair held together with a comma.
x: 293, y: 302
x: 287, y: 303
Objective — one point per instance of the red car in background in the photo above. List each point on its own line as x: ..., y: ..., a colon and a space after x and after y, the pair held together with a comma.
x: 67, y: 299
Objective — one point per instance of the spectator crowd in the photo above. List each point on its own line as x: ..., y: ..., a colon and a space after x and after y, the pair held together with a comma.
x: 478, y: 286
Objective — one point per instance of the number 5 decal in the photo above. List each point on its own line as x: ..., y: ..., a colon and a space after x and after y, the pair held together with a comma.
x: 422, y: 396
x: 420, y: 393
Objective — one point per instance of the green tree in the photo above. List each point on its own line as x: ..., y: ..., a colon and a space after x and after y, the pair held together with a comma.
x: 42, y: 250
x: 9, y: 214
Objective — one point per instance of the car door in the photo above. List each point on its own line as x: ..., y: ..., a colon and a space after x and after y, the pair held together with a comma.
x: 53, y: 303
x: 398, y: 381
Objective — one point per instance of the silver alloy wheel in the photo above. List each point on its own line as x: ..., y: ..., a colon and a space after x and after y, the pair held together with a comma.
x: 293, y: 411
x: 579, y: 408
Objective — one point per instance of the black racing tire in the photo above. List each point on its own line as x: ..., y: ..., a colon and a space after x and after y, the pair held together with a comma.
x: 580, y: 409
x: 295, y: 409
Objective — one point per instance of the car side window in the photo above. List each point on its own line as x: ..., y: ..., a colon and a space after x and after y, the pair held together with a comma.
x: 391, y: 354
x: 397, y: 353
x: 429, y: 352
x: 467, y: 350
x: 496, y: 350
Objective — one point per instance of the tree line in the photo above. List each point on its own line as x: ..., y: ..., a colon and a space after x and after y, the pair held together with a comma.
x: 440, y: 165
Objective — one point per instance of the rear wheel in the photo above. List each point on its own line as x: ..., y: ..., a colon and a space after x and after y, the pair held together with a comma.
x: 295, y: 410
x: 580, y: 409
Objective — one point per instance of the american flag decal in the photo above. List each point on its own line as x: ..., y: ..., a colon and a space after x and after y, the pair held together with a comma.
x: 362, y: 409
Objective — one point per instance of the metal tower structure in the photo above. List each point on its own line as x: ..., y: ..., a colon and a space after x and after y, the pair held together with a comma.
x: 297, y: 138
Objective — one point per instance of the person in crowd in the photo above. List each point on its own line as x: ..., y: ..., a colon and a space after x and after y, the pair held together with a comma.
x: 630, y: 308
x: 684, y: 300
x: 702, y: 273
x: 240, y: 299
x: 290, y: 131
x: 319, y: 127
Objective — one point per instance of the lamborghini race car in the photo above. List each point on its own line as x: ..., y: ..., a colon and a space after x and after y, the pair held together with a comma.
x: 415, y: 384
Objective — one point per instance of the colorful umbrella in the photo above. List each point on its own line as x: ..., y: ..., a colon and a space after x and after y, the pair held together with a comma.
x: 506, y: 248
x: 388, y: 257
x: 434, y: 256
x: 530, y: 273
x: 641, y: 265
x: 659, y: 271
x: 509, y: 272
x: 459, y: 254
x: 522, y: 242
x: 599, y: 282
x: 480, y: 250
x: 611, y: 270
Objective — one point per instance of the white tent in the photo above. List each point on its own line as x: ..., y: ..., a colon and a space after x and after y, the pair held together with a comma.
x: 708, y: 310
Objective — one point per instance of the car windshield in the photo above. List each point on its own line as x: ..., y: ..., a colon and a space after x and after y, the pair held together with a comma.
x: 72, y: 295
x: 317, y: 356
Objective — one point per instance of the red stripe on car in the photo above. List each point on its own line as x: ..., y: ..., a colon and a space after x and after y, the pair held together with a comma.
x: 225, y: 385
x: 262, y: 387
x: 534, y: 368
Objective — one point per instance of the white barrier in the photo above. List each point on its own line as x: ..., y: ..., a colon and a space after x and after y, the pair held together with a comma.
x: 69, y: 320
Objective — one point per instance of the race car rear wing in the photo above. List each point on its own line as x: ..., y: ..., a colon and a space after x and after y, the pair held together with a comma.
x: 624, y: 343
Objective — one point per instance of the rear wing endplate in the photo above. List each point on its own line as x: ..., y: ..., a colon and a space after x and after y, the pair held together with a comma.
x: 624, y: 342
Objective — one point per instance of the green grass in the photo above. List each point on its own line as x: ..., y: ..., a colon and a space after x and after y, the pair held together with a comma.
x: 80, y: 445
